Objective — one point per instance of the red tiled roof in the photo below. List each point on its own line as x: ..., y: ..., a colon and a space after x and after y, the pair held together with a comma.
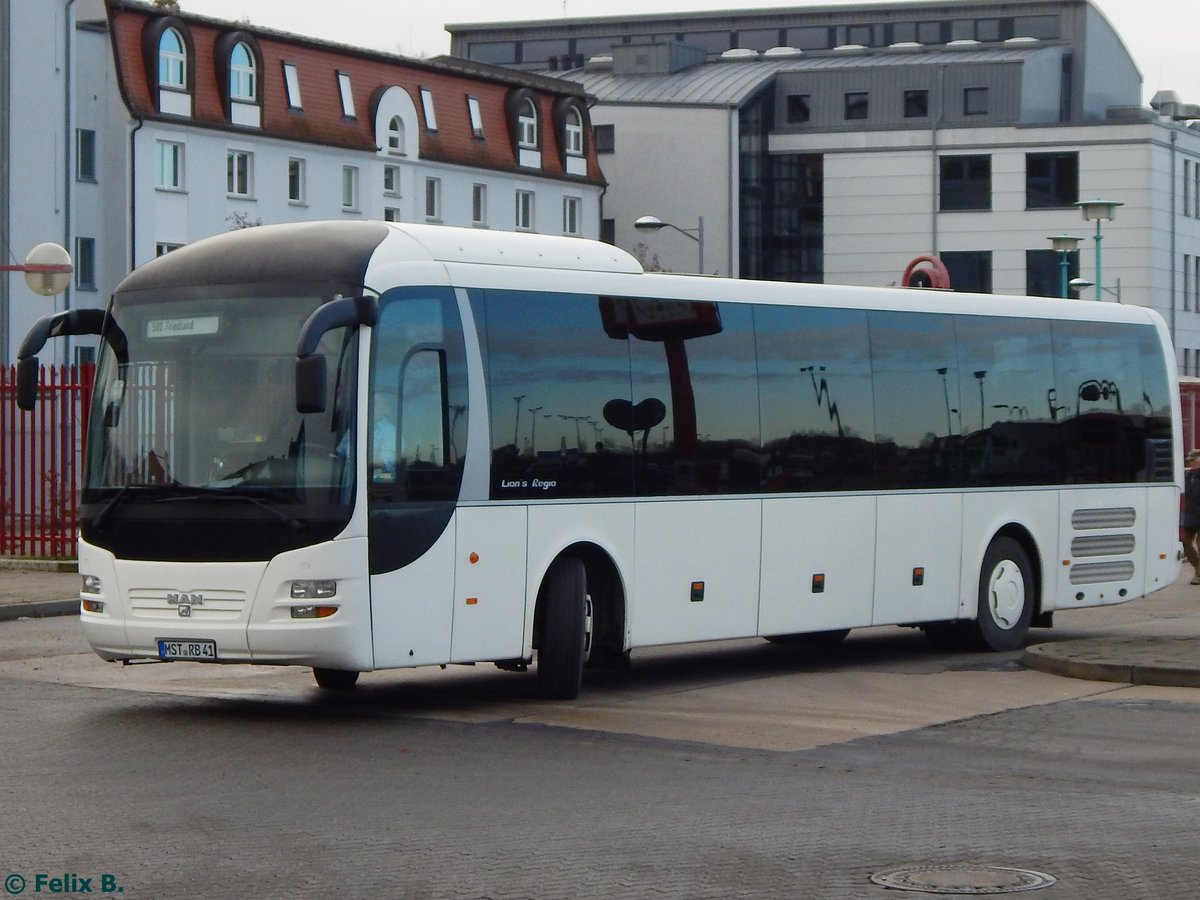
x: 321, y: 120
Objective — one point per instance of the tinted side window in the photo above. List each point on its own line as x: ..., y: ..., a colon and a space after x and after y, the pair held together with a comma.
x: 1098, y: 402
x: 1006, y: 371
x: 814, y: 371
x: 1156, y: 400
x: 698, y: 361
x: 552, y: 370
x: 919, y: 415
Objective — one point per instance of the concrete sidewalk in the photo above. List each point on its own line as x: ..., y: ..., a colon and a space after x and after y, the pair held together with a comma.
x: 33, y: 588
x: 1155, y: 640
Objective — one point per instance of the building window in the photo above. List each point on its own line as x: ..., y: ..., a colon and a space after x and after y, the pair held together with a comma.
x: 1187, y: 282
x: 172, y: 61
x: 350, y: 188
x: 242, y: 74
x: 162, y: 248
x: 798, y: 111
x: 479, y: 204
x: 85, y: 263
x: 391, y: 214
x: 524, y: 210
x: 527, y: 125
x: 966, y: 183
x: 239, y: 171
x: 571, y: 214
x: 476, y: 116
x: 427, y: 109
x: 969, y: 270
x: 1051, y: 180
x: 1187, y: 187
x: 856, y: 105
x: 1043, y: 272
x: 296, y: 180
x: 85, y: 154
x: 391, y: 181
x: 605, y: 138
x: 346, y: 94
x: 433, y: 199
x: 975, y: 101
x: 168, y: 163
x: 395, y: 136
x: 291, y: 83
x: 916, y: 104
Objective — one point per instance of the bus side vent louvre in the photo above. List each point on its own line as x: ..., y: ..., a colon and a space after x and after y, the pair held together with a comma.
x: 1115, y: 517
x: 1103, y: 545
x: 1101, y: 572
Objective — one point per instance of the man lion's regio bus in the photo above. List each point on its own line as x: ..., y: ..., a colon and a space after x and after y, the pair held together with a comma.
x: 360, y: 446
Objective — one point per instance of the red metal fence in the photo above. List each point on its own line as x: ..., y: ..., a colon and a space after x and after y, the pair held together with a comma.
x: 40, y: 457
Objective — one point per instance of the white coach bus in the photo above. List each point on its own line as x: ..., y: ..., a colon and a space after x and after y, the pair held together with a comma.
x: 361, y: 446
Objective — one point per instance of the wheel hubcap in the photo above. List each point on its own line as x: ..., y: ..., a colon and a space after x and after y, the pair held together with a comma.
x: 1006, y: 594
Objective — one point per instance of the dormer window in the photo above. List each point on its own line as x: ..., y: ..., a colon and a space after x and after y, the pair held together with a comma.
x: 238, y: 64
x: 574, y: 133
x: 527, y: 125
x: 243, y: 75
x: 169, y: 64
x: 172, y: 61
x: 570, y: 128
x: 524, y: 127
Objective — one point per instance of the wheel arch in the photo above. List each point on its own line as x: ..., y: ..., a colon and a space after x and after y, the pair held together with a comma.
x: 605, y: 586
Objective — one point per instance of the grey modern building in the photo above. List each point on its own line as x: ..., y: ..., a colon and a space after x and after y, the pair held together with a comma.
x: 839, y: 143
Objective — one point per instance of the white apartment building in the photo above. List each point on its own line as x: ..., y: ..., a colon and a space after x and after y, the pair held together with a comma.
x: 127, y: 130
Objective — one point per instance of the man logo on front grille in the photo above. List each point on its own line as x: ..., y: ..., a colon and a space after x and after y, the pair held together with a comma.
x: 184, y: 603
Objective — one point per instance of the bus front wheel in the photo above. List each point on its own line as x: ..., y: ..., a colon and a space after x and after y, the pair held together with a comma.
x: 565, y: 630
x: 335, y: 679
x: 1006, y: 597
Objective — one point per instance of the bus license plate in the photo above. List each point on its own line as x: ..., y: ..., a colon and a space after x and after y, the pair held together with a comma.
x: 171, y: 648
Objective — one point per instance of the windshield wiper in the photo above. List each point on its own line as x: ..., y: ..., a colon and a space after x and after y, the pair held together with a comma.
x: 292, y: 521
x: 123, y: 494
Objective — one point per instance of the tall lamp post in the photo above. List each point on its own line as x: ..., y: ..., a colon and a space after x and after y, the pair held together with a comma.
x: 1064, y: 244
x: 1098, y: 211
x: 654, y: 223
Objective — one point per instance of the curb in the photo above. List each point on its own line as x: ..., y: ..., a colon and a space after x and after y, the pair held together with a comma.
x: 38, y: 565
x: 39, y: 609
x: 1166, y: 662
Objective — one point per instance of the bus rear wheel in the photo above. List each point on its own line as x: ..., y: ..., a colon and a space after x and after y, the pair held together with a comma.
x: 335, y: 679
x: 1006, y: 597
x: 565, y: 632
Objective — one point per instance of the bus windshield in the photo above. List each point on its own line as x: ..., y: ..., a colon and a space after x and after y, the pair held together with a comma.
x: 199, y: 424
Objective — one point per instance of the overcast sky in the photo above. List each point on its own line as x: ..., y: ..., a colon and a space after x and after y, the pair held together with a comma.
x: 1161, y: 34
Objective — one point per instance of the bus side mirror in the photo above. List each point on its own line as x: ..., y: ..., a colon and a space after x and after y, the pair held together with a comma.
x: 27, y: 382
x: 310, y: 384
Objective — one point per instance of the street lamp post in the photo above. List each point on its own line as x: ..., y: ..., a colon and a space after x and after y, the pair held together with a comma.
x: 654, y: 223
x: 1064, y: 244
x: 1098, y: 211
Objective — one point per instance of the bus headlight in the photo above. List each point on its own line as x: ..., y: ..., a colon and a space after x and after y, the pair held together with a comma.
x: 91, y: 584
x: 313, y: 590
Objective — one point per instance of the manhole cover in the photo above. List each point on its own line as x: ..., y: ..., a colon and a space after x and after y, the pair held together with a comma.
x: 962, y: 879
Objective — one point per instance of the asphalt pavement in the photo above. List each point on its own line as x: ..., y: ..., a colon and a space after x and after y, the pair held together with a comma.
x: 1163, y: 649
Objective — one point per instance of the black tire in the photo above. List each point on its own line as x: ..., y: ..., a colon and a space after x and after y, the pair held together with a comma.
x: 816, y: 640
x: 564, y: 633
x: 335, y: 679
x: 1006, y: 597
